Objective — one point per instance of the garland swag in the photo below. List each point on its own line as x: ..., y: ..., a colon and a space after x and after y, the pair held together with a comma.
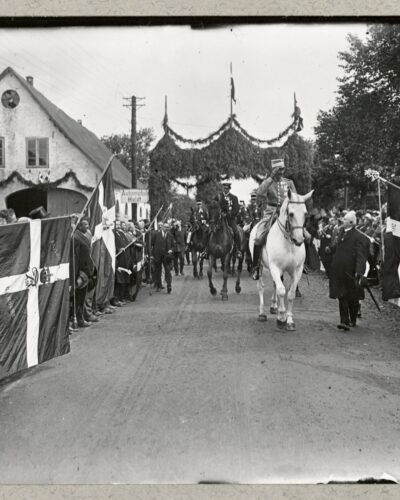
x: 44, y: 185
x: 228, y: 152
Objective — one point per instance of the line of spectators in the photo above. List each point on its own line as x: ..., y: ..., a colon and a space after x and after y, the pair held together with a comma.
x: 89, y: 306
x: 325, y: 227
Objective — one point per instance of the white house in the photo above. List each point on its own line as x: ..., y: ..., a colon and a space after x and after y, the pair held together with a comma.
x: 47, y: 158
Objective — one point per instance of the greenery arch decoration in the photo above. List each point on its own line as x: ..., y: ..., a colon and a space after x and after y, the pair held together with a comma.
x: 230, y: 151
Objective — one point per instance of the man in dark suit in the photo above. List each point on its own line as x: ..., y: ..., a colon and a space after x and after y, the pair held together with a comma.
x: 82, y: 268
x: 229, y: 204
x: 179, y: 235
x: 350, y: 254
x: 162, y: 243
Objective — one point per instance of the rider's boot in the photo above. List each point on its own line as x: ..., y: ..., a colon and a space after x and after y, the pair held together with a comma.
x: 238, y: 245
x: 256, y: 262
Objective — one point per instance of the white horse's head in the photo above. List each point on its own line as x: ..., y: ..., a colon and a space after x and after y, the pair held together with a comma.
x: 293, y: 215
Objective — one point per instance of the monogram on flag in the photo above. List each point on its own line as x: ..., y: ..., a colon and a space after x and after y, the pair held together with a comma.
x: 101, y: 212
x: 34, y: 292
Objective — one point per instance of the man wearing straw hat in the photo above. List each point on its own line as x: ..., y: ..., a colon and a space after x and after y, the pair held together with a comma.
x: 270, y: 195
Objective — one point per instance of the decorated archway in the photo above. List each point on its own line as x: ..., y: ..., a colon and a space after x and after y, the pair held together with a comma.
x: 228, y: 152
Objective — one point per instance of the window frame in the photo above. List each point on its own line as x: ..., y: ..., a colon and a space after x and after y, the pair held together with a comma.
x: 37, y: 156
x: 2, y: 152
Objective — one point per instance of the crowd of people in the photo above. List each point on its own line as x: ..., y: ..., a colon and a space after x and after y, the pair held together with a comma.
x: 149, y: 256
x: 145, y: 256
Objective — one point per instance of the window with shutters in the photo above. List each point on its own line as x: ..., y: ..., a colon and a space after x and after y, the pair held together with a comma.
x: 37, y: 152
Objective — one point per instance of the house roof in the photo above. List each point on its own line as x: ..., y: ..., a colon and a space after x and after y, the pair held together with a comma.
x: 82, y: 138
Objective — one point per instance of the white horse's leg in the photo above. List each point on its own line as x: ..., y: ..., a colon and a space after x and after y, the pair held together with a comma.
x: 281, y: 292
x: 291, y: 295
x: 260, y: 285
x: 274, y: 300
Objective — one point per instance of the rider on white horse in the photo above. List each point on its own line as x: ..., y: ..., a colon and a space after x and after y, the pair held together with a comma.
x: 270, y: 195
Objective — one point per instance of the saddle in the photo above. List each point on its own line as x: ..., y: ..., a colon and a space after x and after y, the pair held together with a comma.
x: 263, y: 236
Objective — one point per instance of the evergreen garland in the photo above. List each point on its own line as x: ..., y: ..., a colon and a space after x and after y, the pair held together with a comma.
x: 296, y: 125
x: 44, y: 185
x: 228, y: 152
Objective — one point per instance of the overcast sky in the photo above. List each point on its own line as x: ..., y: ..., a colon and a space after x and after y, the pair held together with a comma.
x: 88, y: 71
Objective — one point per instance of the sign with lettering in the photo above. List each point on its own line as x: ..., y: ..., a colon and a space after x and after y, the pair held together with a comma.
x: 135, y: 196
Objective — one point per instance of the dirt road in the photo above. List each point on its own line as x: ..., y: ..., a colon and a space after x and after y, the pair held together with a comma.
x: 185, y: 388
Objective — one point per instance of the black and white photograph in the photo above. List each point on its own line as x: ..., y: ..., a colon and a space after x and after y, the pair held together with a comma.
x: 200, y: 253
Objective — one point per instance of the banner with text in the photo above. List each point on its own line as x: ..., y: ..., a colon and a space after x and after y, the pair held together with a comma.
x: 134, y: 196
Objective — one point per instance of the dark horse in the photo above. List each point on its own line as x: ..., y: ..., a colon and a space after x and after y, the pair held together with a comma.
x: 220, y: 246
x: 198, y: 243
x: 243, y: 249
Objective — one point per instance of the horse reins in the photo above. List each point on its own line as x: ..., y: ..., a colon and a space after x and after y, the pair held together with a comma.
x: 288, y: 228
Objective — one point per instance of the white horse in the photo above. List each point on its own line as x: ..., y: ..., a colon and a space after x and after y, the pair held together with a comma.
x: 284, y: 251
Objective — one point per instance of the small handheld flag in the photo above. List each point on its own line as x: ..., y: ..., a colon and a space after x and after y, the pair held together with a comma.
x: 233, y: 90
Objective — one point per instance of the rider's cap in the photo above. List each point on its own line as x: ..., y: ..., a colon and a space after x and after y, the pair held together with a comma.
x: 278, y: 163
x: 198, y: 200
x: 226, y: 183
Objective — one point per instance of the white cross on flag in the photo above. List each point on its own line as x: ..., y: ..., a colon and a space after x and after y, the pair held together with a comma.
x: 101, y: 212
x: 34, y: 292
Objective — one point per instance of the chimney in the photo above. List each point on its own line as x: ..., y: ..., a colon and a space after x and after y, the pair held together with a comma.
x: 29, y: 79
x: 79, y: 121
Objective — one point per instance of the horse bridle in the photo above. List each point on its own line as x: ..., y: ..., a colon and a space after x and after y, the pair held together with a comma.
x: 287, y: 229
x: 214, y: 223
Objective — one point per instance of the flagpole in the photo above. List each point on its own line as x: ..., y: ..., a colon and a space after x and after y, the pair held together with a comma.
x: 169, y: 208
x: 92, y: 193
x: 149, y: 262
x: 152, y: 222
x: 231, y: 91
x: 127, y: 246
x: 75, y: 319
x: 380, y: 218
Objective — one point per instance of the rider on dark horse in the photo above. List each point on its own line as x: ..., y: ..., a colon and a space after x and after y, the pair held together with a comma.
x: 242, y: 215
x: 252, y: 209
x: 229, y: 204
x: 199, y: 215
x: 270, y: 195
x: 201, y: 212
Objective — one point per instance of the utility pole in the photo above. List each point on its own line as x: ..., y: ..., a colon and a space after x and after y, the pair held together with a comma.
x: 133, y: 105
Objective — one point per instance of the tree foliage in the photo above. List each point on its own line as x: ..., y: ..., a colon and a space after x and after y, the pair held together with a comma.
x: 120, y: 144
x: 362, y: 130
x: 181, y: 205
x: 231, y: 155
